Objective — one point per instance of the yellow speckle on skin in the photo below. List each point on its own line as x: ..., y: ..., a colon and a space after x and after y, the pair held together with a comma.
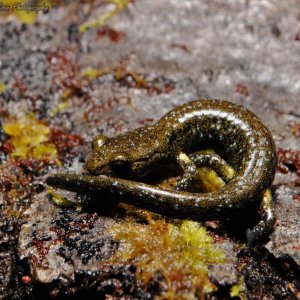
x: 180, y: 252
x: 29, y: 138
x: 184, y: 157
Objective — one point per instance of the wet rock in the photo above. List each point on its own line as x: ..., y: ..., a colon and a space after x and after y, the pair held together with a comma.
x: 57, y: 242
x: 286, y: 237
x: 226, y: 272
x: 5, y: 273
x: 266, y: 277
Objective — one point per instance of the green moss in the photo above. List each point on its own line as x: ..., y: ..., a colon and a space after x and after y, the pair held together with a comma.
x: 180, y: 252
x: 239, y: 290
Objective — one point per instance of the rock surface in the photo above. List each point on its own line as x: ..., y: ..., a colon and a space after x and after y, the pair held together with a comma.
x: 286, y: 237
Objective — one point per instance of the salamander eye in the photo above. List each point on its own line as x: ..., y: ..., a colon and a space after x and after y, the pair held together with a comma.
x: 99, y: 141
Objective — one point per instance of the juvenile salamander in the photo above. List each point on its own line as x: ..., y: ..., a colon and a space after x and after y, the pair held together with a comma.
x: 246, y: 162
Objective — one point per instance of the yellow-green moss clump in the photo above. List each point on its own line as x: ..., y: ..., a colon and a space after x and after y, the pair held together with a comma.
x: 239, y: 289
x: 29, y: 138
x: 180, y: 252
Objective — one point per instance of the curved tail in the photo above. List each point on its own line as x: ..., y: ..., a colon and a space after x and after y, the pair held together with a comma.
x: 177, y: 204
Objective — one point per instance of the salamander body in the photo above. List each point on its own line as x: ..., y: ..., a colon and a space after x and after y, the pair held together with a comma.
x: 238, y: 137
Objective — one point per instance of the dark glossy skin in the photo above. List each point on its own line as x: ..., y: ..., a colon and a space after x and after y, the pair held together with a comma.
x: 236, y: 134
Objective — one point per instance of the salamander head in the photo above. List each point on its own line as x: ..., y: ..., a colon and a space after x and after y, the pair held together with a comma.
x: 126, y: 155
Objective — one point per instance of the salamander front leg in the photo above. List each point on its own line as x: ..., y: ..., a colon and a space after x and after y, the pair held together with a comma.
x: 267, y: 221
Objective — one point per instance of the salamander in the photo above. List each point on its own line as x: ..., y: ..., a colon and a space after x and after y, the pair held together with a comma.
x: 244, y: 156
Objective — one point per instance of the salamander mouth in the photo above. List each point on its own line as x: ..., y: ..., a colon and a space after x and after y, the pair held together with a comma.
x: 95, y: 169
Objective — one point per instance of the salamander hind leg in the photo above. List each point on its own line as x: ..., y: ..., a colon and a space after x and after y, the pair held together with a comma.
x: 207, y: 167
x: 209, y: 158
x: 213, y: 171
x: 267, y: 219
x: 189, y: 172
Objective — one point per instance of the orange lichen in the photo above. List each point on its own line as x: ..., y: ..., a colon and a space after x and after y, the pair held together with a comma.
x: 288, y: 160
x: 132, y: 79
x: 114, y: 35
x: 121, y: 73
x: 242, y: 89
x: 295, y: 128
x: 30, y: 138
x: 65, y: 143
x: 180, y: 252
x: 26, y: 279
x: 64, y: 69
x: 183, y: 47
